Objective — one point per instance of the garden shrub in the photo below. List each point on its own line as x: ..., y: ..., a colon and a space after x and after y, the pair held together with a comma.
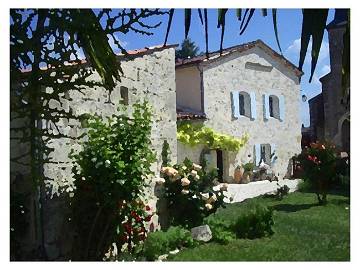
x: 161, y: 242
x: 221, y: 230
x: 319, y: 167
x: 255, y: 222
x: 110, y: 177
x: 282, y: 191
x: 190, y: 194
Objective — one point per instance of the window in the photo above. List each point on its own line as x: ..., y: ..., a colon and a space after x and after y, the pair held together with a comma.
x: 124, y: 93
x: 265, y: 153
x: 274, y: 109
x: 244, y: 104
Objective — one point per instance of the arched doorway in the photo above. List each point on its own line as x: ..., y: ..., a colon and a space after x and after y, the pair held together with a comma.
x: 345, y: 136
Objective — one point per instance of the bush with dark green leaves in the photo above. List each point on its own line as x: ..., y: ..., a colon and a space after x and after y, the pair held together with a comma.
x: 161, y: 242
x: 255, y: 223
x: 221, y: 230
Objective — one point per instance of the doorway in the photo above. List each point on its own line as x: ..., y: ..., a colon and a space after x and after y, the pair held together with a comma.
x: 220, y: 164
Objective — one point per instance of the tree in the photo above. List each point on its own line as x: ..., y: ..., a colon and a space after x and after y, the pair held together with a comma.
x: 188, y: 49
x: 48, y: 48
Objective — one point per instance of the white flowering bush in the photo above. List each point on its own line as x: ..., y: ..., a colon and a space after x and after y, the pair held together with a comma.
x: 190, y: 193
x: 111, y: 172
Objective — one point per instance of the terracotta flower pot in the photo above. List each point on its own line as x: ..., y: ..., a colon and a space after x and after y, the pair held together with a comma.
x: 238, y: 174
x: 246, y: 178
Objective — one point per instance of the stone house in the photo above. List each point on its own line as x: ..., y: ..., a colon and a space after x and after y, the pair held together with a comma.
x: 333, y: 121
x: 250, y: 89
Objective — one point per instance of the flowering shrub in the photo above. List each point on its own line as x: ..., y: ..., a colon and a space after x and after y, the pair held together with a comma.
x: 319, y: 167
x: 190, y: 193
x: 111, y: 172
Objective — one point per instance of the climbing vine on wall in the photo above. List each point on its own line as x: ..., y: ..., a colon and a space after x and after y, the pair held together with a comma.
x: 197, y: 134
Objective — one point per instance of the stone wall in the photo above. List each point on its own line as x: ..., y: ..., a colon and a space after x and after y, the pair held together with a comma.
x: 229, y: 73
x: 147, y: 76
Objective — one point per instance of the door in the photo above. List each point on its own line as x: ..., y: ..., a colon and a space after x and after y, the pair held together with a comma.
x: 220, y: 164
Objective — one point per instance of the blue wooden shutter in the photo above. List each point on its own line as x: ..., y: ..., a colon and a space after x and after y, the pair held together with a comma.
x: 266, y: 106
x: 273, y: 153
x: 281, y: 107
x: 253, y: 105
x: 257, y: 154
x: 235, y: 104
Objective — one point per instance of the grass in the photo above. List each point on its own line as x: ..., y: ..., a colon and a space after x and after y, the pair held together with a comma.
x: 304, y: 231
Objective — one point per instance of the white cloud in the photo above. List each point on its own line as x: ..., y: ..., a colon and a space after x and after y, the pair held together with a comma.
x: 294, y: 49
x: 325, y: 69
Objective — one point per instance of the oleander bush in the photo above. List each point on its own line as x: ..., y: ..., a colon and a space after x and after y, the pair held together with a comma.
x: 319, y: 164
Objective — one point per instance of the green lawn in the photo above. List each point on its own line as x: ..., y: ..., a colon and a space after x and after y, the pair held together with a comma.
x: 304, y: 231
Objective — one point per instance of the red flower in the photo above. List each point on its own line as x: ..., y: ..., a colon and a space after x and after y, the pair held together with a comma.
x: 127, y: 227
x: 133, y: 214
x: 138, y: 219
x: 148, y: 218
x: 147, y: 208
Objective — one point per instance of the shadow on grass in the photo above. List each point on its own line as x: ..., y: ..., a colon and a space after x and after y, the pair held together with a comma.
x: 293, y: 207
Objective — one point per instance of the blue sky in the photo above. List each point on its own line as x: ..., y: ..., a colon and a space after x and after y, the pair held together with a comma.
x: 289, y: 28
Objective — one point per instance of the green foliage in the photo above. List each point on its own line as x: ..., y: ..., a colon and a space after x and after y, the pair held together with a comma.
x: 162, y: 242
x: 282, y: 191
x: 319, y: 165
x: 221, y: 230
x: 303, y: 232
x: 195, y: 134
x: 165, y: 154
x: 248, y: 167
x: 255, y: 223
x: 111, y: 172
x: 188, y: 49
x: 190, y: 193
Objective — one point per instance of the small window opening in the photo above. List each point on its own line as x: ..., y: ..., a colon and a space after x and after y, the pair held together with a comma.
x: 274, y: 109
x: 245, y: 104
x: 124, y: 93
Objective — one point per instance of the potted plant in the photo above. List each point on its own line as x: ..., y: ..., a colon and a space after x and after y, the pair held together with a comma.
x: 238, y: 173
x: 248, y: 171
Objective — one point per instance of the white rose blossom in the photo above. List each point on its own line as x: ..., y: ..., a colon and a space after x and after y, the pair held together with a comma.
x: 208, y: 206
x: 185, y: 182
x: 107, y: 163
x: 160, y: 180
x: 197, y: 167
x: 204, y: 196
x: 193, y: 173
x: 185, y: 191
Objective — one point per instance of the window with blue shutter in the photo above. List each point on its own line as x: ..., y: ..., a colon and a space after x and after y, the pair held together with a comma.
x: 281, y: 108
x: 253, y: 105
x: 266, y: 106
x: 235, y: 104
